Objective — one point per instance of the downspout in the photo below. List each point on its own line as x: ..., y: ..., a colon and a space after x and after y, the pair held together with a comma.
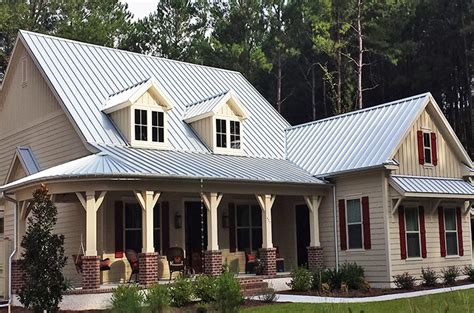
x: 336, y: 246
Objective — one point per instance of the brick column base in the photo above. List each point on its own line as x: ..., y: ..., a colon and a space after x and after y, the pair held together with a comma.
x: 315, y: 258
x: 268, y: 259
x: 213, y: 262
x: 148, y: 268
x: 17, y: 276
x: 90, y: 272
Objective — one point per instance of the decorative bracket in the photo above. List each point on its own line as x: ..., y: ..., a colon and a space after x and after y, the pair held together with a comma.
x: 396, y: 203
x: 98, y: 201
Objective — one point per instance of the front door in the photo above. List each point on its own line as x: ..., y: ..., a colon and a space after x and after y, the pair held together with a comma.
x: 196, y: 233
x: 302, y: 234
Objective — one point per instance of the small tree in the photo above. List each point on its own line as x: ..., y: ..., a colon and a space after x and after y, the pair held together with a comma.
x: 42, y: 257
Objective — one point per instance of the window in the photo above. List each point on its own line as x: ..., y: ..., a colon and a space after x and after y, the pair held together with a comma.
x: 235, y: 134
x: 141, y: 125
x: 427, y: 147
x: 157, y: 127
x: 451, y: 232
x: 249, y: 227
x: 412, y: 232
x: 221, y: 133
x: 354, y: 224
x: 133, y: 227
x: 2, y: 225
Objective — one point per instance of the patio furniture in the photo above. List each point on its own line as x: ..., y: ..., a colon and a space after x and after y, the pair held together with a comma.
x: 176, y: 260
x: 132, y: 258
x: 280, y: 262
x: 250, y: 263
x: 104, y: 263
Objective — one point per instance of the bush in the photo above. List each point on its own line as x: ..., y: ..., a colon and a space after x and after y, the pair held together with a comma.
x: 157, y: 298
x: 205, y: 288
x: 469, y: 272
x: 300, y: 279
x: 228, y: 294
x: 404, y: 281
x: 352, y: 275
x: 181, y: 292
x: 334, y: 279
x: 450, y: 274
x: 268, y: 296
x: 429, y: 277
x: 320, y: 277
x: 126, y: 298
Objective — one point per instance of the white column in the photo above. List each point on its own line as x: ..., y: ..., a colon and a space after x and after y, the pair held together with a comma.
x: 147, y: 200
x: 212, y: 200
x: 91, y: 224
x: 266, y: 203
x: 313, y: 203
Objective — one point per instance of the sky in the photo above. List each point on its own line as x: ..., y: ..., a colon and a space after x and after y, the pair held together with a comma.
x: 141, y: 8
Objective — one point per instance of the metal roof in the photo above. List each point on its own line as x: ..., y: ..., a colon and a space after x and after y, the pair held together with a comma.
x: 434, y: 185
x: 28, y: 160
x: 84, y: 76
x: 204, y: 106
x: 355, y: 140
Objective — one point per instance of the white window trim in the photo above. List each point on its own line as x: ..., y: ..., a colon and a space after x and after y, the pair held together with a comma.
x: 428, y: 132
x: 249, y: 228
x: 361, y: 224
x: 413, y: 232
x: 228, y: 149
x: 148, y: 143
x: 451, y: 231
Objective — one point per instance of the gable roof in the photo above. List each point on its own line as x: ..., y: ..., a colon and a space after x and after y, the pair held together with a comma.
x: 83, y: 76
x: 27, y: 160
x: 361, y: 139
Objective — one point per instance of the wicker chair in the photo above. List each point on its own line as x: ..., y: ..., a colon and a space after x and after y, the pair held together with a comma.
x: 132, y: 258
x: 176, y: 261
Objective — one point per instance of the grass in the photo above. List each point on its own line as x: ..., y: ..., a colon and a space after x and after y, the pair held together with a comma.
x: 450, y: 302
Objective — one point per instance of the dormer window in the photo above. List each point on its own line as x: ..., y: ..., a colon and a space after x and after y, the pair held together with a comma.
x: 141, y: 131
x: 157, y: 127
x: 221, y: 133
x: 234, y: 134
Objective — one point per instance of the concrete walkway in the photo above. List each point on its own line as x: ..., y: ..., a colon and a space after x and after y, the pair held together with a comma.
x: 406, y: 295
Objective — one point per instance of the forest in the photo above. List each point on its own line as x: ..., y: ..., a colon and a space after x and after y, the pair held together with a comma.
x: 310, y: 59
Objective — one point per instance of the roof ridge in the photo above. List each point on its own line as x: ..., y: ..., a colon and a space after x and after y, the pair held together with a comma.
x: 372, y: 108
x: 208, y: 98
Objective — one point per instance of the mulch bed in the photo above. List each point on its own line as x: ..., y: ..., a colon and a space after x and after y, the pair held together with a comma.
x: 372, y: 292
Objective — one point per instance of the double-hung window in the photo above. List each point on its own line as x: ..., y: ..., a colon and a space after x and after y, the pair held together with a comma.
x: 412, y: 232
x: 221, y: 133
x: 427, y: 147
x: 133, y: 227
x: 235, y: 134
x: 157, y: 127
x: 249, y: 227
x: 451, y: 231
x: 141, y: 129
x: 354, y: 224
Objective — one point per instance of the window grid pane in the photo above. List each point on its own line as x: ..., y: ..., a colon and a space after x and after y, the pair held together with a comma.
x: 235, y: 134
x: 157, y: 127
x: 140, y: 125
x: 450, y: 219
x: 249, y: 229
x: 221, y: 133
x: 355, y: 236
x: 353, y: 211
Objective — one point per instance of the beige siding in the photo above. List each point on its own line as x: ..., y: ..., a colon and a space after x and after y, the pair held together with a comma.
x: 448, y: 163
x: 122, y: 120
x: 147, y: 99
x: 205, y: 130
x: 227, y: 111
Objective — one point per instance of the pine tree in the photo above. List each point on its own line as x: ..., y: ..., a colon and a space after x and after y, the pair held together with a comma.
x: 43, y: 257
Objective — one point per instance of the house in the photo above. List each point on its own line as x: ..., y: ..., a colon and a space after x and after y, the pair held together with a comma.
x: 146, y: 153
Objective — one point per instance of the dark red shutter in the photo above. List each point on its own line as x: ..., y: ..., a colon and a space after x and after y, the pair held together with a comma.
x: 421, y: 152
x: 232, y: 228
x: 434, y: 150
x: 459, y: 222
x: 342, y: 224
x: 366, y: 222
x: 442, y: 239
x: 422, y: 231
x: 401, y: 228
x: 165, y: 226
x: 118, y: 206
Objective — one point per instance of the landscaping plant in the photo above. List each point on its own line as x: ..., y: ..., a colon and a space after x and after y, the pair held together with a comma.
x: 334, y: 278
x: 300, y: 279
x: 320, y: 277
x: 404, y: 281
x: 469, y: 272
x: 352, y: 275
x: 429, y: 277
x: 268, y: 296
x: 450, y: 274
x: 127, y: 299
x: 158, y: 298
x: 42, y: 257
x: 228, y: 293
x: 205, y: 288
x: 181, y: 291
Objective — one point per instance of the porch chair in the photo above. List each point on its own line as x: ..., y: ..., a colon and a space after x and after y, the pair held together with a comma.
x: 176, y: 260
x: 250, y: 262
x: 132, y: 258
x: 104, y: 263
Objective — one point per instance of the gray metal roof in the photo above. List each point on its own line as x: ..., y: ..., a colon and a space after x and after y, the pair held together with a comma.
x: 28, y: 160
x: 435, y: 185
x: 355, y: 140
x: 85, y: 75
x: 204, y: 106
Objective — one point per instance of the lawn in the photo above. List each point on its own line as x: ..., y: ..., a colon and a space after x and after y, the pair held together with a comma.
x: 450, y: 302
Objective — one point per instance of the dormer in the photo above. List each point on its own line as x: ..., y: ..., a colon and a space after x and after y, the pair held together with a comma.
x: 218, y: 120
x: 140, y: 113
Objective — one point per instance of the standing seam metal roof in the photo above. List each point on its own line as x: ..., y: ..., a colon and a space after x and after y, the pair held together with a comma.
x: 419, y: 184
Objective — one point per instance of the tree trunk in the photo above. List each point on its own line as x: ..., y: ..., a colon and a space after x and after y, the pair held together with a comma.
x: 360, y: 63
x: 279, y: 79
x: 313, y: 92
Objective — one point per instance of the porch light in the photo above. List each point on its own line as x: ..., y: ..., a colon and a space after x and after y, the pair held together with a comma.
x: 225, y: 220
x: 177, y: 220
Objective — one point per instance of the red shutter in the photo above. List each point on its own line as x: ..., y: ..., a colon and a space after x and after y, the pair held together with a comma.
x: 442, y: 239
x: 422, y: 231
x: 366, y: 222
x: 434, y: 150
x: 459, y: 222
x: 342, y: 224
x: 401, y: 227
x: 421, y: 152
x: 232, y: 228
x: 165, y: 226
x: 118, y: 205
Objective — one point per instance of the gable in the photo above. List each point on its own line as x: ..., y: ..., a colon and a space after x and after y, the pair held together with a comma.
x: 16, y: 172
x: 148, y: 99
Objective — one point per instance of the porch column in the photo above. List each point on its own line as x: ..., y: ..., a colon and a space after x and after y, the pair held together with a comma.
x: 91, y: 261
x: 213, y: 256
x: 315, y: 251
x: 148, y: 258
x: 267, y: 252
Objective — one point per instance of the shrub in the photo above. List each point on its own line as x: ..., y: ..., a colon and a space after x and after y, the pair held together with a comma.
x: 429, y: 277
x: 450, y: 274
x: 469, y: 272
x: 352, y: 275
x: 157, y: 298
x: 228, y: 294
x: 404, y: 281
x: 181, y: 292
x: 268, y: 296
x: 205, y: 288
x: 320, y: 277
x: 300, y: 279
x: 126, y: 298
x: 334, y: 279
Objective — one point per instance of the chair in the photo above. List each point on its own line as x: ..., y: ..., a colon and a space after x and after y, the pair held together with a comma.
x: 250, y: 262
x: 176, y: 261
x: 77, y: 258
x: 132, y: 258
x: 280, y: 262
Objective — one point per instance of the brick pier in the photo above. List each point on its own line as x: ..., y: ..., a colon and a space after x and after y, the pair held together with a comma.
x: 148, y: 271
x: 268, y: 258
x: 17, y: 276
x: 90, y: 272
x: 315, y: 258
x: 213, y: 262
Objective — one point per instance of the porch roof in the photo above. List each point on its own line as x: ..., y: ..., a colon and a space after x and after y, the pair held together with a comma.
x: 420, y: 186
x: 127, y: 162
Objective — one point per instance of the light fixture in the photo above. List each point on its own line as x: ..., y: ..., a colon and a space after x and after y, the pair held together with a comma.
x: 177, y: 220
